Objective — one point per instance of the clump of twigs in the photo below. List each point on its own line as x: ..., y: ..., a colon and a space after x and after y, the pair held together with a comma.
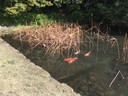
x: 54, y: 38
x: 95, y: 36
x: 57, y: 38
x: 125, y: 49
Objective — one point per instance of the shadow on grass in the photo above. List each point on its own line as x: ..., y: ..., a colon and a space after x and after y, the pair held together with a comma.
x: 43, y: 18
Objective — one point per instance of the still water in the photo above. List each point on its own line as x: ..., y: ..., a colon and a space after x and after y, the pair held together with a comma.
x: 90, y: 76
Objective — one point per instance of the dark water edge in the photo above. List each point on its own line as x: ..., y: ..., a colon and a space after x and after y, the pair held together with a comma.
x: 89, y: 76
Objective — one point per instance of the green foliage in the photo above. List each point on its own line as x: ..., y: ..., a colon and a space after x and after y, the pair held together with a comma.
x: 34, y: 12
x: 56, y: 17
x: 78, y: 16
x: 30, y: 19
x: 68, y: 1
x: 43, y: 19
x: 72, y: 8
x: 20, y: 19
x: 16, y: 9
x: 112, y: 12
x: 39, y: 3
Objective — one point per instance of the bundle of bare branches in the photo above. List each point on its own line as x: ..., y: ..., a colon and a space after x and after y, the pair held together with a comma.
x: 55, y: 38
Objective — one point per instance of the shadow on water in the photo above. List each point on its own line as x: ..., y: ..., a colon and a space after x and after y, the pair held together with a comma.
x: 89, y: 76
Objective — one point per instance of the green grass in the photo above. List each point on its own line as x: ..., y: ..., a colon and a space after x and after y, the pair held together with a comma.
x: 41, y: 19
x: 30, y: 19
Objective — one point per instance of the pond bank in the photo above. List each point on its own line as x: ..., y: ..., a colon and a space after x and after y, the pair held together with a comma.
x: 93, y: 73
x: 20, y: 77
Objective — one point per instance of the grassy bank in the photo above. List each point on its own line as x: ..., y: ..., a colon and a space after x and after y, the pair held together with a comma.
x: 40, y: 19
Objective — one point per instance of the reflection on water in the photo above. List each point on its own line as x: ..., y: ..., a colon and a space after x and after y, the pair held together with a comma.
x: 89, y: 76
x: 96, y: 79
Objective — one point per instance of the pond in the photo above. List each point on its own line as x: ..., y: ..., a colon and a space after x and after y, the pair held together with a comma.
x: 100, y: 74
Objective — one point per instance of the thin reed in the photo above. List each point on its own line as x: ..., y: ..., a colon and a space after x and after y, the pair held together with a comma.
x: 58, y: 38
x: 125, y: 49
x: 54, y: 38
x: 95, y: 36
